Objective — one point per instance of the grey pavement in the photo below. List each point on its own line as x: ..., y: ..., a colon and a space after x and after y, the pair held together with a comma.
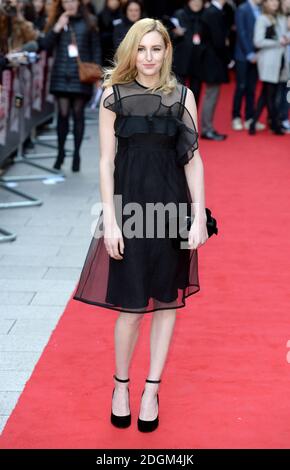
x: 40, y: 269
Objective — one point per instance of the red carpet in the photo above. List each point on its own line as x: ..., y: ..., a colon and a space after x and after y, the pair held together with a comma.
x: 226, y: 383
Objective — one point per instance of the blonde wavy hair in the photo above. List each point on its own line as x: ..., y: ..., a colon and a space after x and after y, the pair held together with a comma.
x: 124, y: 61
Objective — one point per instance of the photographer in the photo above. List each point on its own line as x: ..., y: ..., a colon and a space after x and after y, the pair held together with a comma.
x: 14, y: 29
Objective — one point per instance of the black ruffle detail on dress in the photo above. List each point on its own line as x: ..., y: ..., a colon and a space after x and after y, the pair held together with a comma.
x: 174, y: 120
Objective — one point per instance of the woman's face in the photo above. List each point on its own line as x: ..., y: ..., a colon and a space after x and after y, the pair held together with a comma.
x: 272, y: 6
x: 286, y: 6
x: 195, y: 5
x: 113, y: 4
x: 151, y: 54
x: 133, y: 12
x: 38, y: 5
x: 70, y: 6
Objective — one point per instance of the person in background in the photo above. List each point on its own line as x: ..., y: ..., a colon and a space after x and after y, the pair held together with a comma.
x: 188, y: 45
x: 270, y: 37
x: 71, y: 94
x: 27, y: 9
x: 90, y: 7
x: 160, y: 8
x: 214, y: 64
x: 284, y: 87
x: 40, y: 14
x: 229, y: 10
x: 3, y: 64
x: 246, y: 65
x: 15, y: 30
x: 132, y: 11
x: 109, y: 16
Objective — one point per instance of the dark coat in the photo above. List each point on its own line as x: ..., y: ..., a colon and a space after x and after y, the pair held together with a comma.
x: 39, y: 21
x: 216, y: 55
x: 245, y: 24
x: 186, y: 54
x: 120, y: 31
x: 106, y: 20
x: 65, y: 75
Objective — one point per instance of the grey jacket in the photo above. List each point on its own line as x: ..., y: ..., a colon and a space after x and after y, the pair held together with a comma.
x: 270, y: 51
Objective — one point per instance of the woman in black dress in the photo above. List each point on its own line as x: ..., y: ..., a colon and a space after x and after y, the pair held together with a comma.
x: 129, y: 267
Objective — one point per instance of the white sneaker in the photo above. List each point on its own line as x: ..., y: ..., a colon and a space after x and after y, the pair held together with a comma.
x: 259, y: 125
x: 247, y: 124
x: 237, y: 124
x: 286, y: 125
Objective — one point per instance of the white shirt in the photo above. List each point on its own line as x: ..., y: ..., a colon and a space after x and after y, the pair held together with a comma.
x: 217, y: 4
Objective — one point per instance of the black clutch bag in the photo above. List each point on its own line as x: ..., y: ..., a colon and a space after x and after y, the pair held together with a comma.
x: 185, y: 224
x: 211, y: 223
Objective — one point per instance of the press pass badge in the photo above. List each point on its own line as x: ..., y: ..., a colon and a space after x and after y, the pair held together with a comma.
x: 196, y: 39
x: 72, y: 50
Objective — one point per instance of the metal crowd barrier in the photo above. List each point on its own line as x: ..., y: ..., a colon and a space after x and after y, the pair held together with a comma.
x: 25, y: 103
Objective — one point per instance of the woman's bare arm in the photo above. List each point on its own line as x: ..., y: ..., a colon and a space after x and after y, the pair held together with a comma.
x: 107, y: 146
x: 194, y: 172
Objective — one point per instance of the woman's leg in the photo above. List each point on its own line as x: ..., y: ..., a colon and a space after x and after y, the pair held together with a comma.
x: 162, y: 327
x: 126, y: 335
x: 261, y: 103
x: 78, y: 109
x: 63, y: 105
x: 271, y: 101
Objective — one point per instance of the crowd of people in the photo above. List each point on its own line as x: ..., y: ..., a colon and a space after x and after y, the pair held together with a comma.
x: 210, y: 39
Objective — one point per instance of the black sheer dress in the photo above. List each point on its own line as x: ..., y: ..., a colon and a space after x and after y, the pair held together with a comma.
x: 156, y: 137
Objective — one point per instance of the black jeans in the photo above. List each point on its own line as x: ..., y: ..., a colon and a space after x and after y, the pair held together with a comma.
x: 269, y: 98
x: 246, y: 81
x: 283, y: 104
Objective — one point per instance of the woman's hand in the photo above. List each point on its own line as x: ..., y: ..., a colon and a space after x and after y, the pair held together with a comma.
x: 179, y: 31
x: 113, y: 240
x: 61, y: 23
x: 284, y: 40
x: 198, y: 232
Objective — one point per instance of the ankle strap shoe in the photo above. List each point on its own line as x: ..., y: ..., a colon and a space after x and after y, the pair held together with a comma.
x: 145, y: 425
x: 116, y: 420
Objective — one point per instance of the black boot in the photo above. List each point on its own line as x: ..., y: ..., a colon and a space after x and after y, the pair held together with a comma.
x: 277, y: 129
x: 59, y: 161
x: 252, y: 128
x: 76, y: 163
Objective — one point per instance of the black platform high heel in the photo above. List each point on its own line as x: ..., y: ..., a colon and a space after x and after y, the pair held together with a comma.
x: 120, y: 421
x: 145, y: 425
x: 59, y: 161
x: 76, y: 162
